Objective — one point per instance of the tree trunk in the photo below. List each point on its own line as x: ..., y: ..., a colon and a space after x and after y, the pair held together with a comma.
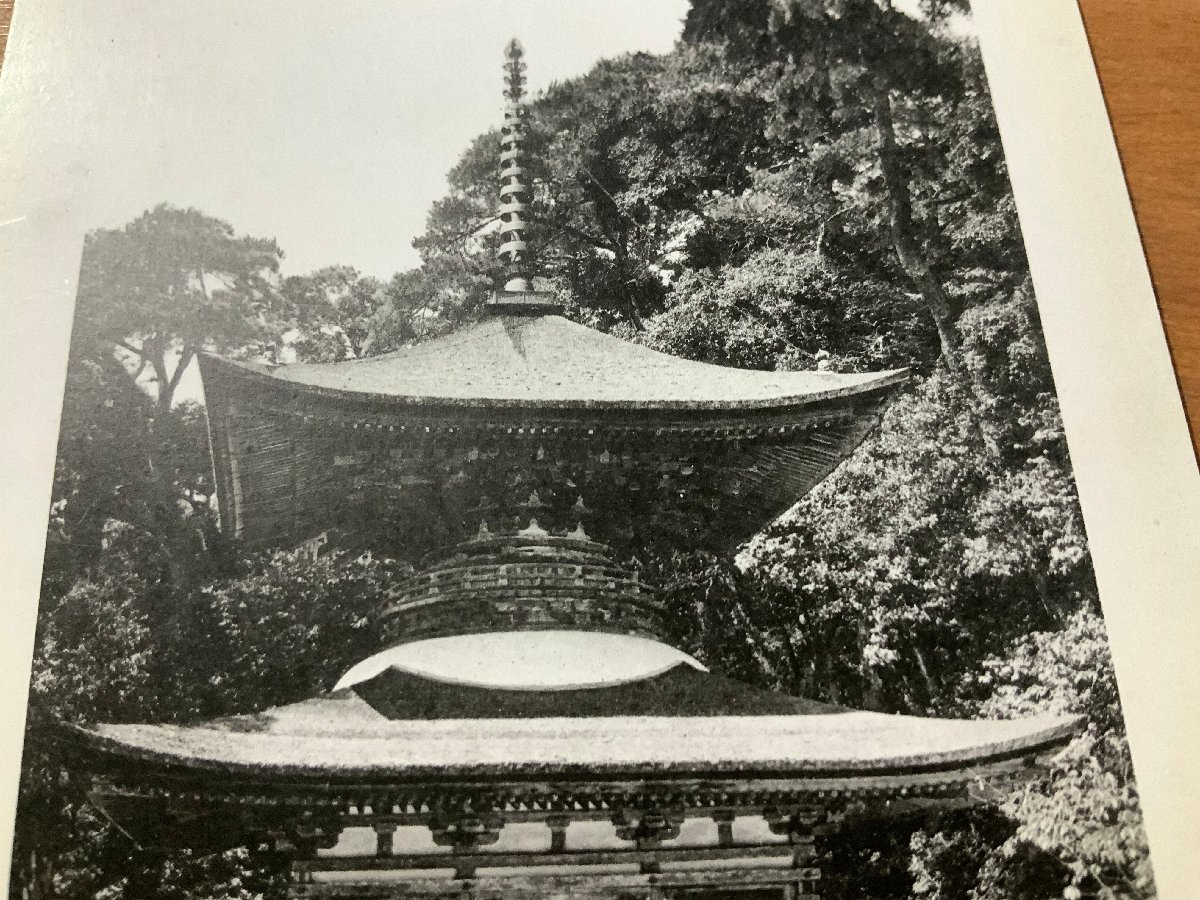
x: 872, y: 699
x: 166, y: 392
x: 155, y: 350
x: 903, y: 229
x: 632, y: 307
x: 931, y: 689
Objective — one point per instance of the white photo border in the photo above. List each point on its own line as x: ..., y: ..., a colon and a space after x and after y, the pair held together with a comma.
x: 1134, y: 465
x: 1133, y: 461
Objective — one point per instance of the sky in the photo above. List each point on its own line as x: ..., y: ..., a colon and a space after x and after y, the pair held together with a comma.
x: 328, y: 126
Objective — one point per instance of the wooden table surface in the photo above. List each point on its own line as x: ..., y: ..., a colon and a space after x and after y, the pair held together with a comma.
x: 1148, y: 56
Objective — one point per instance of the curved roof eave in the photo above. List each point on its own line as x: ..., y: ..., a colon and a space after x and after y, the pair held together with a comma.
x: 538, y: 372
x: 840, y: 745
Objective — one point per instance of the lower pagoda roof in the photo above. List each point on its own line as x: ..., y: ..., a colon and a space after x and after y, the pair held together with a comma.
x: 402, y: 727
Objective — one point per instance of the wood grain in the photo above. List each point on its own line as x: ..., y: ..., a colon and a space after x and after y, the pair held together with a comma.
x: 1149, y: 63
x: 6, y: 11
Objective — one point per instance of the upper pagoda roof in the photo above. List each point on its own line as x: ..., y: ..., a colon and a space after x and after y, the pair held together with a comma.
x: 548, y: 361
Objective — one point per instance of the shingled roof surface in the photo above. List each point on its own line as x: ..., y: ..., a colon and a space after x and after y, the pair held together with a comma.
x: 549, y: 360
x: 341, y: 734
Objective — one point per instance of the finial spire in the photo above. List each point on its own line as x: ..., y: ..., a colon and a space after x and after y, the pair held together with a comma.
x: 517, y: 296
x: 514, y: 191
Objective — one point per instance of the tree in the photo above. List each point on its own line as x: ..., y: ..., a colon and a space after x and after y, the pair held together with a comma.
x: 864, y: 90
x: 622, y: 158
x: 336, y: 312
x: 952, y: 531
x: 155, y: 292
x: 127, y: 472
x: 1075, y: 832
x: 973, y: 855
x: 282, y: 629
x: 169, y: 284
x: 785, y: 309
x: 1086, y: 811
x: 91, y: 661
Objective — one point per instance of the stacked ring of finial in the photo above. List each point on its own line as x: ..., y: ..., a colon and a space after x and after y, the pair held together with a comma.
x: 514, y: 200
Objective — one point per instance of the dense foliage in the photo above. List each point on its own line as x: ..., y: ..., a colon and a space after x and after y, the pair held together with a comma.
x: 277, y: 629
x: 800, y: 184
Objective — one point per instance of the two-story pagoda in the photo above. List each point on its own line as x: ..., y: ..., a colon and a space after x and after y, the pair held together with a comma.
x: 529, y: 733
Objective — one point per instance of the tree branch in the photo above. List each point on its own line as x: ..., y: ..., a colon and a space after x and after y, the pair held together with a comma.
x: 137, y: 351
x: 598, y: 242
x: 596, y: 181
x: 473, y: 230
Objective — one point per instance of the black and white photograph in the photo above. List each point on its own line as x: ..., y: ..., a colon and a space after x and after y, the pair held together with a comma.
x: 584, y: 450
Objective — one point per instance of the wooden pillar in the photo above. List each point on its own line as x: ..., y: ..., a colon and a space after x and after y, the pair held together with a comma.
x: 809, y: 883
x: 298, y: 884
x: 804, y: 854
x: 724, y: 819
x: 805, y: 862
x: 465, y: 870
x: 800, y: 824
x: 558, y: 832
x: 384, y: 837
